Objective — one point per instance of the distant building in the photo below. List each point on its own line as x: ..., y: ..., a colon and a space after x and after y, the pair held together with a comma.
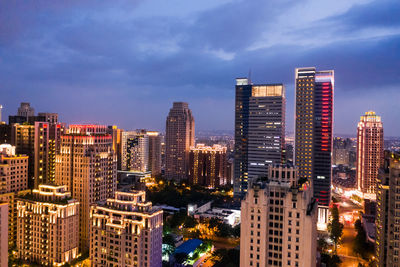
x: 313, y: 133
x: 25, y: 110
x: 208, y: 166
x: 387, y: 246
x: 259, y: 131
x: 3, y: 234
x: 47, y: 223
x: 179, y: 137
x: 135, y: 151
x: 278, y: 221
x: 87, y: 165
x: 154, y: 152
x: 126, y: 231
x: 116, y: 134
x: 47, y: 145
x: 49, y: 117
x: 369, y: 153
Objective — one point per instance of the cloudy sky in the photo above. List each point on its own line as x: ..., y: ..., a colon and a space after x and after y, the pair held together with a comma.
x: 125, y: 62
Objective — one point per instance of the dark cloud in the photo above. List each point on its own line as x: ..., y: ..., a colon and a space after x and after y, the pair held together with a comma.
x: 111, y: 63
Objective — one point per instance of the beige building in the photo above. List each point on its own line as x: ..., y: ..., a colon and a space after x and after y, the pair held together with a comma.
x: 154, y: 152
x: 388, y: 212
x: 47, y: 222
x: 3, y: 234
x: 126, y: 231
x: 87, y: 165
x: 369, y: 153
x: 179, y: 137
x: 278, y: 222
x: 13, y: 170
x: 47, y: 145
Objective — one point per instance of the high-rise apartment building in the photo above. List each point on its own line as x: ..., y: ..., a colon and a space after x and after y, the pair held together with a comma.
x: 13, y: 170
x: 3, y: 234
x: 179, y: 138
x: 135, y: 151
x: 278, y: 221
x: 259, y: 131
x: 126, y: 231
x: 208, y: 165
x: 87, y: 165
x: 48, y: 117
x: 313, y: 137
x: 47, y: 222
x: 116, y: 134
x: 23, y: 138
x: 47, y: 145
x: 387, y: 246
x: 369, y: 153
x: 154, y: 152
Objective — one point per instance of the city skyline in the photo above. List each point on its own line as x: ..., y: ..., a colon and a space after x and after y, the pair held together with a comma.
x: 68, y: 67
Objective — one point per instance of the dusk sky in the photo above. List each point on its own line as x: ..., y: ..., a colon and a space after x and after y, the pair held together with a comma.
x: 125, y: 62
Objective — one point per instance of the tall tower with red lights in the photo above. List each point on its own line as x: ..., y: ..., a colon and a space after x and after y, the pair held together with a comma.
x: 313, y: 126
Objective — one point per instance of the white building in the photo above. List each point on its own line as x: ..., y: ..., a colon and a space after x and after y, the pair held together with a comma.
x: 135, y: 151
x: 278, y: 222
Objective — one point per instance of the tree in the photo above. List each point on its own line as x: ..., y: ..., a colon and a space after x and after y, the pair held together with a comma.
x: 322, y: 245
x: 360, y: 245
x: 335, y: 228
x: 226, y: 258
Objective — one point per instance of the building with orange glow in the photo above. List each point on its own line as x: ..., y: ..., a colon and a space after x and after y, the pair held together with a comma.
x: 48, y: 219
x: 126, y: 231
x: 208, y: 165
x: 3, y: 234
x: 13, y: 170
x: 179, y: 137
x: 369, y: 153
x: 87, y: 165
x: 47, y: 145
x: 313, y: 133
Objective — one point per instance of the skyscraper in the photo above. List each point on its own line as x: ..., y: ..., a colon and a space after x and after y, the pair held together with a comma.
x: 208, y: 165
x: 369, y: 153
x: 259, y: 130
x: 154, y: 152
x: 126, y: 231
x: 47, y: 145
x: 47, y: 222
x: 135, y: 151
x: 313, y: 140
x: 87, y: 165
x: 388, y: 212
x: 25, y: 110
x: 278, y: 221
x: 178, y: 139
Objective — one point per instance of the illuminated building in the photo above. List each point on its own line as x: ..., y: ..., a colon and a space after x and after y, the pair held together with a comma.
x: 278, y: 221
x: 23, y: 138
x: 135, y: 151
x: 3, y: 234
x: 116, y: 134
x: 13, y: 170
x: 207, y: 166
x: 47, y: 145
x: 179, y: 138
x: 369, y: 153
x: 47, y: 222
x: 154, y: 152
x: 87, y: 165
x: 387, y: 245
x: 313, y: 137
x: 126, y: 231
x: 259, y: 131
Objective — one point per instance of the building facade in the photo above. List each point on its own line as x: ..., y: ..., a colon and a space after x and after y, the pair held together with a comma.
x: 259, y: 131
x: 369, y: 153
x: 154, y: 152
x: 13, y: 170
x: 179, y: 138
x: 208, y: 166
x: 387, y: 246
x: 47, y: 145
x: 87, y: 165
x: 25, y: 110
x: 47, y: 223
x: 278, y: 222
x: 3, y: 234
x: 313, y: 133
x: 126, y: 231
x: 135, y: 151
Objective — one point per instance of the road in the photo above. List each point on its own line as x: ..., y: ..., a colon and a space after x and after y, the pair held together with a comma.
x: 348, y: 212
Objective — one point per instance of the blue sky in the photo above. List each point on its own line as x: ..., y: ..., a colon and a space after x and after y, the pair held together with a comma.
x: 125, y: 62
